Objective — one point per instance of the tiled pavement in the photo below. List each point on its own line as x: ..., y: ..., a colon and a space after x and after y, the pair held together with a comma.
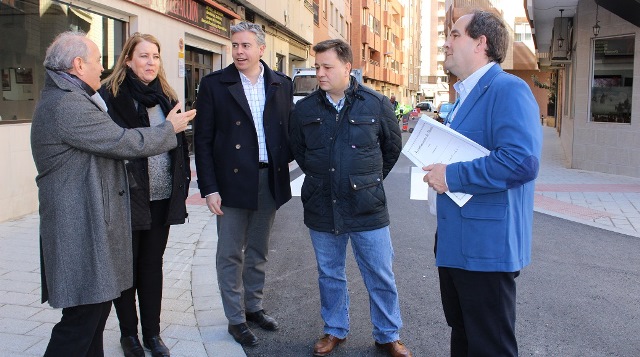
x: 601, y: 200
x: 193, y: 323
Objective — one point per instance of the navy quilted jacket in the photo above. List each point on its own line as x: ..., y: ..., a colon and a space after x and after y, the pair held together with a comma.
x: 345, y: 156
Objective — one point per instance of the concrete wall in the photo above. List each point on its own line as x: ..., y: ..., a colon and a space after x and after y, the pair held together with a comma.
x: 18, y: 191
x: 605, y: 147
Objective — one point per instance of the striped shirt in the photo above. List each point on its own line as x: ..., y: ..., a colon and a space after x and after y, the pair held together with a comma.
x: 256, y: 98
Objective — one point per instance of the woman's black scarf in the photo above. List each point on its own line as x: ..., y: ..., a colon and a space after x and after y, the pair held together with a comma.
x: 147, y: 96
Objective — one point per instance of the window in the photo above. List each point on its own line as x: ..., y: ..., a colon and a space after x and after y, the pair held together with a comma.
x: 331, y: 18
x: 316, y: 12
x: 612, y: 79
x: 24, y: 38
x: 279, y: 62
x: 374, y: 24
x: 522, y: 32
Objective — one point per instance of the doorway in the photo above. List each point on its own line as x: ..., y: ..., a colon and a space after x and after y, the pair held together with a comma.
x: 197, y: 64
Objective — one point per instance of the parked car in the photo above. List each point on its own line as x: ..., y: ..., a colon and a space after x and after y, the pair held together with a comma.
x: 426, y: 106
x: 443, y: 110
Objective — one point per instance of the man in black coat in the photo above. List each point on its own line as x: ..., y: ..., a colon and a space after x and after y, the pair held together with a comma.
x: 242, y: 160
x: 346, y: 139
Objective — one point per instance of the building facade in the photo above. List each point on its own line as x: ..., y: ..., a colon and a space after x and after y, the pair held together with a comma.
x: 332, y: 19
x: 376, y: 39
x: 520, y: 59
x: 593, y: 47
x: 412, y: 45
x: 434, y: 82
x: 195, y: 41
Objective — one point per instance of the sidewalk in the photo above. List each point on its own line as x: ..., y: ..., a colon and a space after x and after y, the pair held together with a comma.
x: 193, y: 323
x: 605, y: 201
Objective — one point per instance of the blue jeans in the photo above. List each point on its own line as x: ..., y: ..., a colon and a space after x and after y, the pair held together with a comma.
x: 374, y: 254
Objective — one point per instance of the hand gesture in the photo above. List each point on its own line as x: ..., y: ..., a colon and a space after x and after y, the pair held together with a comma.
x: 180, y: 120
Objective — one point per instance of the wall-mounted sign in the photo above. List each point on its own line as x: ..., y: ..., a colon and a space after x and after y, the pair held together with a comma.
x: 213, y: 19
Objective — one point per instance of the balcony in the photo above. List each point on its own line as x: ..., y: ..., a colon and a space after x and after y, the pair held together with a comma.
x: 371, y: 69
x: 386, y: 18
x: 366, y: 4
x: 366, y: 34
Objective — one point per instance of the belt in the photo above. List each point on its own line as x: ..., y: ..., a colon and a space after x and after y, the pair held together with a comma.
x: 263, y: 165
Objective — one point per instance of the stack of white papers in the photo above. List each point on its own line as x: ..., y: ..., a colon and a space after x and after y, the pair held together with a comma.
x: 432, y: 143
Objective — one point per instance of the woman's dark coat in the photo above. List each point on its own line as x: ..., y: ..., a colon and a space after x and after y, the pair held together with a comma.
x: 124, y: 106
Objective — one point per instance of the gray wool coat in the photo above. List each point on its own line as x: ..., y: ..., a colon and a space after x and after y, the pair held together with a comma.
x: 85, y: 229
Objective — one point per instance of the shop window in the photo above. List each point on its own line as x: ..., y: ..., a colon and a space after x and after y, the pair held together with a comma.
x: 612, y: 79
x: 28, y: 28
x: 280, y: 62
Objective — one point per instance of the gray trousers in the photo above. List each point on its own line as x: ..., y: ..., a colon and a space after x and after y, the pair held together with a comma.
x: 241, y: 258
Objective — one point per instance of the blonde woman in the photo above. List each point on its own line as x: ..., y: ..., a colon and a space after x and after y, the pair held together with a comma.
x: 138, y: 95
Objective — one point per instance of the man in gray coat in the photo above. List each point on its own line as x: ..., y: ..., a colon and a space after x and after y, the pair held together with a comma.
x: 85, y: 230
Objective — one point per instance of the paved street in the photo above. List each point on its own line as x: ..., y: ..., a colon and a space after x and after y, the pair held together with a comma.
x: 578, y: 297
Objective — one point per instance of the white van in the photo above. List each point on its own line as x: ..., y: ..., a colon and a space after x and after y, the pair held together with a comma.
x: 305, y: 82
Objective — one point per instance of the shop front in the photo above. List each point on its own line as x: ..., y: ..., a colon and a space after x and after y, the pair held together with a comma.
x: 194, y: 36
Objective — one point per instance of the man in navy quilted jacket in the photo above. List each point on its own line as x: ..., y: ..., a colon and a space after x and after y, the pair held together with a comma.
x: 346, y: 139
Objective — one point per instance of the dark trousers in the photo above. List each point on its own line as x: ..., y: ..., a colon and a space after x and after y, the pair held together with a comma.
x: 79, y: 332
x: 480, y: 308
x: 148, y: 249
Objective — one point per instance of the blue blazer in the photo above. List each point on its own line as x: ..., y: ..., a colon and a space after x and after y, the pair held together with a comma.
x: 492, y: 231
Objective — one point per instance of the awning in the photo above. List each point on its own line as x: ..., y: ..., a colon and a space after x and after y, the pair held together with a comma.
x: 83, y: 15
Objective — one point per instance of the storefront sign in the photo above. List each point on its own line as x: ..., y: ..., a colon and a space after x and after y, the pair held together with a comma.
x: 203, y: 16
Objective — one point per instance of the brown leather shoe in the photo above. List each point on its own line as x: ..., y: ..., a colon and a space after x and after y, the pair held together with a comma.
x: 395, y: 349
x: 326, y: 344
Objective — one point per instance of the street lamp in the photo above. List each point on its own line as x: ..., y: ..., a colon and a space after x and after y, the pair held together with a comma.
x: 596, y: 27
x: 561, y: 39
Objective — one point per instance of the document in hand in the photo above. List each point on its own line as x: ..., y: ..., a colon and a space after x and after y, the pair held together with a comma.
x: 432, y: 143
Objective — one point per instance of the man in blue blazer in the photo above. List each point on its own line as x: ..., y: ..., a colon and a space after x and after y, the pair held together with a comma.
x: 481, y: 246
x: 242, y: 159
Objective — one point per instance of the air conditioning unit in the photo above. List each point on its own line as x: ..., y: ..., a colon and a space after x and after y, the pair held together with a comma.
x: 544, y: 62
x: 562, y: 33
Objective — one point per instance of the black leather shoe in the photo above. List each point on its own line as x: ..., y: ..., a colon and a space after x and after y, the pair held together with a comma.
x: 156, y: 346
x: 243, y: 334
x: 131, y: 346
x: 263, y: 320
